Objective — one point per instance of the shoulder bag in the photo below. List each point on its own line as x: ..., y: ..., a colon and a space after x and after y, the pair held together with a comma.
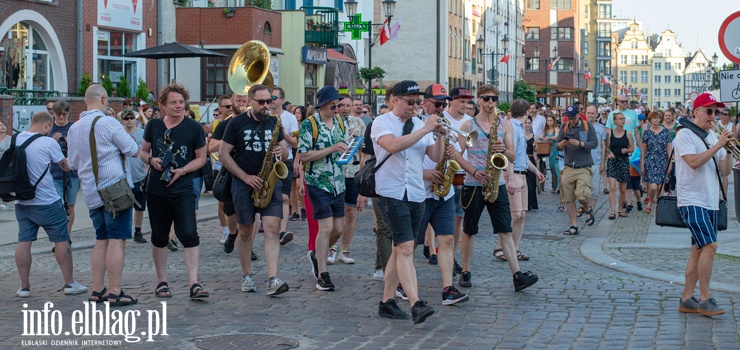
x: 365, y: 178
x: 118, y: 196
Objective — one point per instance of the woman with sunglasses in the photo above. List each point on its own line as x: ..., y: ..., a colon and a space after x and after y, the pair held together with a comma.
x: 619, y: 144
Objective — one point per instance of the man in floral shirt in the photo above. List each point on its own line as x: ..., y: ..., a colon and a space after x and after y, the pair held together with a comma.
x: 324, y: 177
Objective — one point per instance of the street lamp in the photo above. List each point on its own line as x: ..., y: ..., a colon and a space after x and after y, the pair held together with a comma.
x: 547, y: 72
x: 390, y: 8
x: 480, y: 43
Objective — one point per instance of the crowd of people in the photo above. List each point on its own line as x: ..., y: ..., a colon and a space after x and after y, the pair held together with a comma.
x: 449, y: 156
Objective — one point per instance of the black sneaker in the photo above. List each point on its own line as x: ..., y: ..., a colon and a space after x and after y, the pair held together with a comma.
x: 400, y: 293
x: 465, y: 280
x: 229, y: 244
x: 254, y: 256
x: 295, y: 217
x: 285, y: 237
x: 639, y: 206
x: 420, y: 311
x: 324, y: 283
x: 390, y: 309
x: 433, y: 259
x: 314, y: 263
x: 303, y: 214
x: 458, y: 268
x: 172, y: 245
x: 451, y: 296
x: 524, y: 280
x: 629, y: 208
x: 139, y: 238
x: 426, y: 252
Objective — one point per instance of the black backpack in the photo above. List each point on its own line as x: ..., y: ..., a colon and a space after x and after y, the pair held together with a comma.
x: 15, y: 183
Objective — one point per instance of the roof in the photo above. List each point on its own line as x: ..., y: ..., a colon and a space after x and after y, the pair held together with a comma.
x: 336, y: 56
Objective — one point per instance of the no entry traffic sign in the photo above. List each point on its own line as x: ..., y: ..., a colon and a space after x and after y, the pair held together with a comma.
x: 729, y: 37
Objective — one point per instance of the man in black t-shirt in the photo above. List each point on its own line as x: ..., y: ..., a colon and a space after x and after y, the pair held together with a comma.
x: 174, y: 147
x: 249, y: 135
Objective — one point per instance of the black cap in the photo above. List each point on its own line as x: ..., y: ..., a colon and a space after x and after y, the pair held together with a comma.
x: 406, y: 87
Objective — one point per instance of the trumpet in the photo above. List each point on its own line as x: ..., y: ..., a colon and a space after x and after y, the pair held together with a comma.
x: 732, y: 146
x: 470, y: 137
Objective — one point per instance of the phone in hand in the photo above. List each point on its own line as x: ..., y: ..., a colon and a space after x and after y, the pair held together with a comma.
x: 566, y: 138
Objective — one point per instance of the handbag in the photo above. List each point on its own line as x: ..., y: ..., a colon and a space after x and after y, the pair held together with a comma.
x: 206, y: 173
x: 118, y: 196
x: 222, y: 186
x: 365, y: 178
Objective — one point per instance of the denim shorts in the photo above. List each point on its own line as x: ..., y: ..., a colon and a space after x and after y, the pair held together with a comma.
x: 107, y: 227
x: 140, y: 197
x: 244, y: 204
x: 197, y: 187
x: 52, y: 217
x: 402, y: 217
x: 350, y: 192
x: 325, y: 205
x: 72, y: 188
x: 499, y: 210
x: 440, y: 214
x: 180, y: 210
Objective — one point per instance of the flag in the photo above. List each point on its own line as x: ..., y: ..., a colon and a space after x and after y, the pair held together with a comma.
x: 587, y: 76
x: 605, y: 81
x: 553, y: 63
x: 395, y: 28
x: 505, y: 59
x: 384, y: 32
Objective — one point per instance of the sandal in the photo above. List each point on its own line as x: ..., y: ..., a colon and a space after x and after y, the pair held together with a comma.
x: 572, y: 231
x: 579, y: 213
x: 163, y: 291
x: 606, y: 191
x: 561, y: 207
x: 590, y: 219
x: 623, y: 214
x: 521, y: 256
x: 499, y: 257
x: 197, y: 292
x: 612, y: 216
x: 118, y: 302
x: 101, y: 296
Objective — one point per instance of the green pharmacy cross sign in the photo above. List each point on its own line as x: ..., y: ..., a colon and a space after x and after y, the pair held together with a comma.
x: 357, y: 26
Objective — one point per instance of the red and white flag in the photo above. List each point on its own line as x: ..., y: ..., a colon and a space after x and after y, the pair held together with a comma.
x: 553, y: 63
x: 505, y: 59
x: 587, y: 76
x: 385, y: 34
x: 605, y: 81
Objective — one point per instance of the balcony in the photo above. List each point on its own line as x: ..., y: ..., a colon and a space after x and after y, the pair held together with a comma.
x: 322, y: 26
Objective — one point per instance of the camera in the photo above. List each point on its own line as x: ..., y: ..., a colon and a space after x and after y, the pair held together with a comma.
x: 168, y: 163
x: 63, y: 144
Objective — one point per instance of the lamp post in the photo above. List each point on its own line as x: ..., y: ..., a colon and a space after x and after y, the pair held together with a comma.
x: 711, y: 70
x: 390, y: 8
x: 480, y: 42
x: 547, y: 72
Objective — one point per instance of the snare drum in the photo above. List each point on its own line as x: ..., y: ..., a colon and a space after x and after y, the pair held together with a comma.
x: 459, y: 178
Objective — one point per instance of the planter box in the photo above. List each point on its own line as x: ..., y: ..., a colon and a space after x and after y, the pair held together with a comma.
x: 379, y: 91
x: 359, y: 91
x: 343, y: 91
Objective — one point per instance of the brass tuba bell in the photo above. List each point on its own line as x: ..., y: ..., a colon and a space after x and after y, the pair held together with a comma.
x: 250, y: 66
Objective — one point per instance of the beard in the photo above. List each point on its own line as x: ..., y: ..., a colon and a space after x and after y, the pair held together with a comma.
x: 262, y: 113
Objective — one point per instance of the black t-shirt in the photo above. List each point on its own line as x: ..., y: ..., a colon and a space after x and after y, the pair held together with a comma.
x: 367, y: 146
x: 55, y: 170
x: 250, y: 139
x: 185, y: 138
x: 218, y: 134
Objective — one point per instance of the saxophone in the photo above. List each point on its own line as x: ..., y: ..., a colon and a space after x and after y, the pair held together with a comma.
x: 446, y: 166
x: 272, y: 170
x: 497, y: 163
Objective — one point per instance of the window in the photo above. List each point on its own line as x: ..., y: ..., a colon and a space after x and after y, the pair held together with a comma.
x: 585, y: 47
x: 605, y: 11
x: 603, y: 67
x: 604, y: 30
x: 657, y: 78
x: 633, y: 44
x: 657, y: 66
x: 561, y: 33
x: 656, y: 92
x: 560, y: 4
x: 623, y: 76
x: 215, y: 82
x: 290, y: 5
x: 623, y: 59
x: 339, y: 4
x: 678, y: 65
x: 667, y: 66
x: 677, y: 79
x: 633, y: 77
x: 633, y: 59
x: 643, y: 77
x: 533, y: 4
x: 667, y: 53
x: 667, y: 92
x: 533, y: 64
x: 564, y: 65
x: 644, y: 59
x: 533, y: 33
x: 585, y: 11
x: 667, y: 79
x: 112, y: 46
x: 605, y: 48
x: 677, y: 92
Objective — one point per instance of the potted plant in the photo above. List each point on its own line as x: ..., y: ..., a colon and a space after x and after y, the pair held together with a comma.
x: 343, y: 89
x: 360, y: 89
x: 377, y: 90
x: 310, y: 24
x: 367, y: 74
x: 326, y: 27
x: 229, y: 11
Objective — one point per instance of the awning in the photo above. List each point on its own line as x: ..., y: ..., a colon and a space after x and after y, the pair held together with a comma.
x: 334, y: 55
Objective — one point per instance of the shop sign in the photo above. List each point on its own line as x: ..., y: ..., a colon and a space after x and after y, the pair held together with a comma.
x: 123, y: 14
x: 314, y: 55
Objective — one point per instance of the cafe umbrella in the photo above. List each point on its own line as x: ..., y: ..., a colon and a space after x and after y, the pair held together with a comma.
x: 173, y: 50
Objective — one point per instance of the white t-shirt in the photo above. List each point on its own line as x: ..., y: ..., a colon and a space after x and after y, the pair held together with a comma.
x: 699, y: 187
x: 429, y: 164
x: 39, y: 154
x: 538, y: 124
x: 457, y: 124
x: 290, y: 124
x: 402, y: 172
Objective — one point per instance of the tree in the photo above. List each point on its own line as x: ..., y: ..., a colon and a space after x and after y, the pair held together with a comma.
x: 366, y: 74
x: 85, y: 83
x: 142, y: 93
x: 524, y: 90
x: 123, y: 90
x: 264, y: 4
x: 107, y: 84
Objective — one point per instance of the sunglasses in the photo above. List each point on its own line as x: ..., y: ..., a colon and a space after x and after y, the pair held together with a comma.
x: 226, y: 106
x: 489, y: 98
x: 440, y: 104
x: 713, y: 111
x: 723, y: 113
x: 129, y: 118
x: 622, y: 101
x: 50, y: 109
x: 262, y: 102
x: 275, y: 98
x: 365, y: 112
x: 413, y: 102
x: 333, y: 107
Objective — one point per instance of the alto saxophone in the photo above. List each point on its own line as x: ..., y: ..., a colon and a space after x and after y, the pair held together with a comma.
x: 446, y: 166
x: 495, y: 165
x: 732, y: 146
x: 272, y: 170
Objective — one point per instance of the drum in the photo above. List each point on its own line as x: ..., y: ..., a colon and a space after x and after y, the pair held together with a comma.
x: 459, y: 178
x: 543, y: 148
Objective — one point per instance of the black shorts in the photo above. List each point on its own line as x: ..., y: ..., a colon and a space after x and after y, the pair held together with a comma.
x: 140, y: 197
x: 244, y: 205
x: 473, y: 204
x: 325, y: 205
x: 288, y: 180
x: 634, y: 183
x: 350, y: 192
x: 402, y: 217
x: 441, y: 215
x: 163, y: 211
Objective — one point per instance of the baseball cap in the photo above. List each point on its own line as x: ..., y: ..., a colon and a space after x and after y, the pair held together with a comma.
x: 706, y: 99
x: 437, y: 92
x: 571, y: 111
x: 641, y: 117
x: 127, y: 112
x: 460, y: 92
x: 406, y: 87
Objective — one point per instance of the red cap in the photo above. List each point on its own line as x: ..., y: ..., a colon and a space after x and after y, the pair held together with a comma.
x: 706, y: 99
x: 437, y: 92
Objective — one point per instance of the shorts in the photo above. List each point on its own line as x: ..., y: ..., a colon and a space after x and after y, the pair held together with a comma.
x: 575, y: 184
x: 197, y: 187
x: 288, y: 180
x: 596, y: 183
x: 229, y: 208
x: 618, y: 169
x: 402, y: 217
x: 180, y: 210
x: 440, y: 214
x: 72, y: 188
x: 243, y: 203
x: 140, y: 197
x: 52, y: 218
x: 702, y: 223
x: 350, y: 192
x: 324, y: 204
x: 459, y: 212
x: 519, y: 201
x: 108, y: 227
x: 634, y: 183
x: 473, y: 204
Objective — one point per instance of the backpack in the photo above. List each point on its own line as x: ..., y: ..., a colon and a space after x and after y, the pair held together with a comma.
x: 15, y: 183
x: 315, y: 134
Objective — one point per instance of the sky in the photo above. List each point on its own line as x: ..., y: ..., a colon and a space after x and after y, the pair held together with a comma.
x: 696, y: 24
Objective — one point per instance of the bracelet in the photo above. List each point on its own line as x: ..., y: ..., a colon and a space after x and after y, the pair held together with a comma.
x: 475, y: 172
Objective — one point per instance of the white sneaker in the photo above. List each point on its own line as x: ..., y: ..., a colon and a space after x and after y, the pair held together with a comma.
x: 332, y: 258
x: 275, y: 286
x: 379, y: 275
x: 248, y: 284
x: 74, y: 288
x: 3, y: 207
x: 23, y: 292
x: 224, y: 237
x: 345, y: 258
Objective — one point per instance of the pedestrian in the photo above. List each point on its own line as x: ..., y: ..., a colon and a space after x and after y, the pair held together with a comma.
x: 4, y: 145
x: 138, y: 172
x: 289, y: 125
x: 656, y: 147
x: 67, y: 184
x: 550, y: 133
x: 296, y: 200
x: 45, y: 209
x: 598, y: 169
x: 619, y: 144
x: 697, y: 192
x: 532, y: 156
x: 225, y: 210
x: 111, y: 229
x: 576, y: 139
x: 669, y: 122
